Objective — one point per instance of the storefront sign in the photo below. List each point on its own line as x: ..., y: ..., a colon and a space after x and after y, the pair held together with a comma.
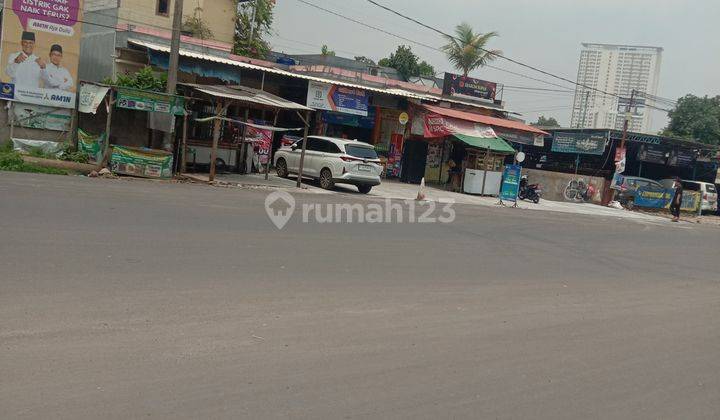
x: 457, y: 85
x: 652, y: 154
x: 42, y: 117
x: 653, y: 197
x: 350, y: 120
x: 141, y: 100
x: 403, y: 118
x: 579, y: 143
x: 510, y: 183
x: 337, y: 98
x: 436, y: 125
x: 520, y: 137
x: 539, y: 140
x: 680, y: 157
x: 90, y: 97
x: 41, y: 47
x: 147, y: 163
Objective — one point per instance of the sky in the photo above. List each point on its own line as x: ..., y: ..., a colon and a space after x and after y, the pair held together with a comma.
x: 545, y: 34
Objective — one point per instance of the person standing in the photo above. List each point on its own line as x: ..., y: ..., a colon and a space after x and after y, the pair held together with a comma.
x: 54, y: 75
x: 677, y: 200
x: 24, y: 66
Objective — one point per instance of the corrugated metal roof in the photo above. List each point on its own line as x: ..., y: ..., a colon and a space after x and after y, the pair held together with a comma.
x: 390, y: 91
x: 247, y: 94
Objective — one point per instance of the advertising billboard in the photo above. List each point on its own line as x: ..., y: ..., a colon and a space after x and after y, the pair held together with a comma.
x: 579, y: 143
x: 457, y: 85
x: 337, y: 98
x: 40, y: 51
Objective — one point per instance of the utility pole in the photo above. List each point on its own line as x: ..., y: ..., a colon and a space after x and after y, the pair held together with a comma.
x: 174, y: 61
x: 252, y: 23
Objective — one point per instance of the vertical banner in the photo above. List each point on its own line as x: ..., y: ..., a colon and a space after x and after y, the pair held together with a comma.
x: 510, y: 183
x: 41, y: 51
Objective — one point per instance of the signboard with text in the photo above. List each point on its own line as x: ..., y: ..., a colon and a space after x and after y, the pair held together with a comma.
x: 652, y: 154
x: 579, y: 143
x: 40, y: 51
x: 469, y: 87
x: 337, y: 98
x: 141, y: 100
x: 510, y: 183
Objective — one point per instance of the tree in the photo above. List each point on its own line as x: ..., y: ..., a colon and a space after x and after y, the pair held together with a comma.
x: 545, y: 122
x: 249, y: 33
x: 466, y: 50
x: 406, y: 63
x: 363, y: 59
x: 327, y: 51
x: 696, y: 118
x: 144, y: 79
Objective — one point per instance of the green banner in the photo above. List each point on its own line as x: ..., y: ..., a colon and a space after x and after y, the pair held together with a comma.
x: 142, y: 100
x: 147, y: 163
x: 91, y: 144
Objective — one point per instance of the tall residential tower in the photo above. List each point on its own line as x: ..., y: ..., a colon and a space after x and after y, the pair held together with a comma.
x: 616, y: 69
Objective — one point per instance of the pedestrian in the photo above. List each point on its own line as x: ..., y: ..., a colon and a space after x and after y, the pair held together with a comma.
x: 677, y: 200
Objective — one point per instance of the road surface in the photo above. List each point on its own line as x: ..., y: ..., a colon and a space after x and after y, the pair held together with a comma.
x: 136, y: 299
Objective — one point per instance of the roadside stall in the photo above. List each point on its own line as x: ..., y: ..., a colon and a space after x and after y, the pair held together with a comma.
x: 465, y: 155
x: 221, y: 98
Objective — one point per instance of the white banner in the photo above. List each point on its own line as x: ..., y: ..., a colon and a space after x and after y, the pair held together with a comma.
x: 90, y: 97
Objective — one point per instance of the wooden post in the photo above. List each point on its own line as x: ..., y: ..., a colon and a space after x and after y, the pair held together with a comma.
x: 304, y: 147
x: 241, y: 165
x: 216, y: 136
x: 485, y: 165
x: 109, y: 104
x: 11, y: 114
x: 269, y: 162
x: 183, y: 150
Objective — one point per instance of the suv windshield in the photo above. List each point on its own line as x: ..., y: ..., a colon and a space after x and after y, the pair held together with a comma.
x: 360, y: 151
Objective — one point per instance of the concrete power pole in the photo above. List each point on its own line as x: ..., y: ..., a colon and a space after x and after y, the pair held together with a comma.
x: 174, y: 60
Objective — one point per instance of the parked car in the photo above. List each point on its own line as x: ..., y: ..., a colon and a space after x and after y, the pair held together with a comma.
x: 331, y: 160
x: 707, y: 191
x: 629, y: 187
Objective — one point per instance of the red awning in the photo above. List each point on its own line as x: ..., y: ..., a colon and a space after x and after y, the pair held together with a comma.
x: 483, y: 119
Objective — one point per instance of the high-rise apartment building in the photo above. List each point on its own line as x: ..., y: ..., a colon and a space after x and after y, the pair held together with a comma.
x: 616, y: 69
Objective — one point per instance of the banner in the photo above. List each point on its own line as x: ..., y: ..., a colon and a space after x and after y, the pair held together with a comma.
x: 261, y: 139
x: 462, y: 86
x: 142, y: 100
x: 42, y: 117
x: 90, y: 97
x: 681, y: 158
x: 337, y: 98
x: 659, y: 199
x: 41, y: 51
x: 510, y: 183
x: 579, y: 143
x: 142, y: 162
x: 435, y: 125
x: 92, y: 145
x: 652, y: 154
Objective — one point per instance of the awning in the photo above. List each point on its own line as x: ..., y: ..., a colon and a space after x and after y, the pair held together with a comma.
x: 483, y: 119
x: 246, y: 94
x: 495, y: 144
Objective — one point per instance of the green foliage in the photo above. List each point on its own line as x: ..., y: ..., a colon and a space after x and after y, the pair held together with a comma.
x: 326, y: 51
x: 363, y: 59
x: 546, y: 122
x: 406, y: 63
x: 466, y: 50
x: 696, y: 118
x: 196, y: 26
x: 249, y: 33
x: 71, y: 154
x: 144, y: 79
x: 11, y: 160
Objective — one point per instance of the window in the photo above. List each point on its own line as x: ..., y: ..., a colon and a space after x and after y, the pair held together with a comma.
x: 362, y: 152
x: 163, y: 7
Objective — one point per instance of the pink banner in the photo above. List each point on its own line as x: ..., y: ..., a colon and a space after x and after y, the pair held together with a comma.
x: 440, y: 126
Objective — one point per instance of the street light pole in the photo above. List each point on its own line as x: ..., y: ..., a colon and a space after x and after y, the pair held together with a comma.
x: 174, y: 60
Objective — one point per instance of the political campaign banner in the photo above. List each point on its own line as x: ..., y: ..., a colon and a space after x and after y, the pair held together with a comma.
x: 337, y: 98
x: 41, y: 51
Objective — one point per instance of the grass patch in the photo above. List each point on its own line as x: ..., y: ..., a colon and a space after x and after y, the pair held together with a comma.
x: 11, y: 160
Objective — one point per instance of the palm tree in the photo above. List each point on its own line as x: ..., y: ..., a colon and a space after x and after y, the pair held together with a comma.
x: 466, y: 50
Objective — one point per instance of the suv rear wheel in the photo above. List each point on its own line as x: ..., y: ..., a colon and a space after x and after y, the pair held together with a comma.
x: 281, y: 168
x: 326, y: 180
x: 364, y: 188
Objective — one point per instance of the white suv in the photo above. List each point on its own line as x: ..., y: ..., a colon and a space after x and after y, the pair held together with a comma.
x: 331, y: 160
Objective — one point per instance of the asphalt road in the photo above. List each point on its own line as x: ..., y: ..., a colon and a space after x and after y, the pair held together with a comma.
x: 135, y: 299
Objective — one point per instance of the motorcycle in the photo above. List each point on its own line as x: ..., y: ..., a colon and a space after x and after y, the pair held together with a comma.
x: 530, y: 192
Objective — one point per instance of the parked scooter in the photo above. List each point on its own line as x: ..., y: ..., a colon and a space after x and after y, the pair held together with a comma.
x: 530, y: 192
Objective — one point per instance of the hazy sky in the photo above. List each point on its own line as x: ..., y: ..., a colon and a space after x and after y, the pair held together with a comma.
x: 546, y: 34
